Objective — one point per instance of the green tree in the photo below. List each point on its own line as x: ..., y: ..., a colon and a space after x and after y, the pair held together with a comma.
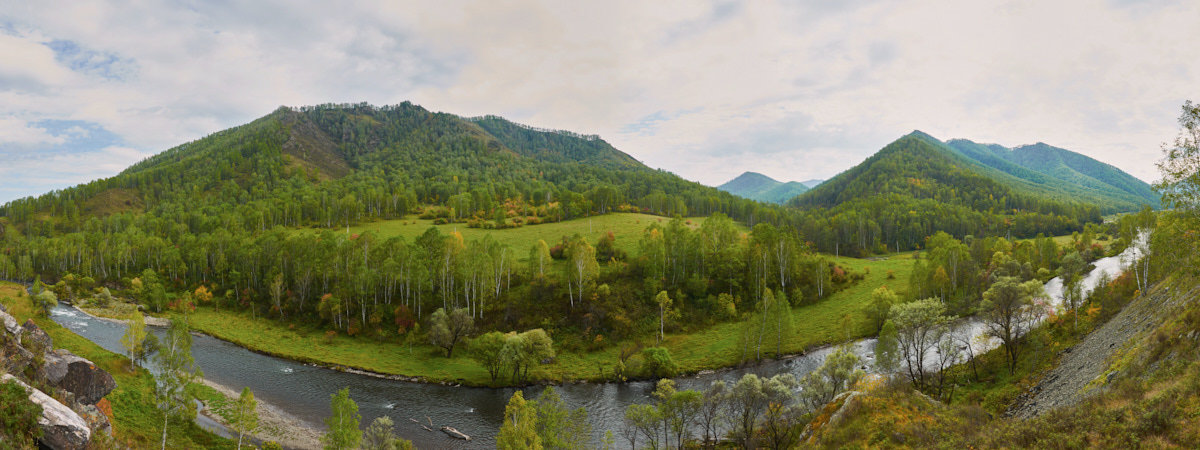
x: 882, y: 300
x: 488, y: 349
x: 919, y: 327
x: 1180, y: 166
x: 886, y: 348
x: 380, y: 435
x: 177, y: 370
x: 838, y: 373
x: 519, y: 430
x: 445, y: 330
x: 134, y: 339
x: 1008, y: 312
x: 560, y: 428
x: 664, y: 302
x: 1071, y: 274
x: 657, y: 362
x: 539, y: 258
x: 245, y: 415
x: 343, y: 432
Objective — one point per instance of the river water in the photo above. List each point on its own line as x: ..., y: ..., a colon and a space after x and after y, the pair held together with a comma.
x: 304, y: 391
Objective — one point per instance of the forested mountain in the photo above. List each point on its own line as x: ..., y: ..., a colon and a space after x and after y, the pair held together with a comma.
x: 812, y: 183
x: 917, y: 186
x: 1063, y: 173
x: 756, y: 186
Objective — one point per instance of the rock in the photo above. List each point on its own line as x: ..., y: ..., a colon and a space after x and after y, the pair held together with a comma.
x: 10, y: 324
x: 96, y: 420
x: 34, y: 339
x: 88, y: 382
x: 14, y: 358
x: 61, y: 427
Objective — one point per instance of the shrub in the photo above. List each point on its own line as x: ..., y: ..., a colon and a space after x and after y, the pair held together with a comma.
x: 657, y: 362
x: 18, y: 417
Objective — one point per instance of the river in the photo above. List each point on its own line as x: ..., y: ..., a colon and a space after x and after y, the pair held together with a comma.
x: 304, y: 390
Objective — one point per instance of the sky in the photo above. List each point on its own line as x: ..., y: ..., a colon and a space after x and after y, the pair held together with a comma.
x: 707, y: 90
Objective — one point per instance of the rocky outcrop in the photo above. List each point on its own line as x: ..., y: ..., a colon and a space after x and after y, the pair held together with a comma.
x: 61, y: 427
x: 27, y: 351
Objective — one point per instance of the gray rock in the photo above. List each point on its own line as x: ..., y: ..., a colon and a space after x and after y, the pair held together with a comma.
x: 10, y: 324
x: 14, y: 358
x: 96, y: 420
x: 61, y: 427
x: 34, y: 339
x: 88, y: 382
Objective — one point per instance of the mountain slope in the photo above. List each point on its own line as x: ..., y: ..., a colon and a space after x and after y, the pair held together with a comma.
x: 756, y: 186
x: 917, y: 186
x: 320, y: 165
x: 1063, y: 172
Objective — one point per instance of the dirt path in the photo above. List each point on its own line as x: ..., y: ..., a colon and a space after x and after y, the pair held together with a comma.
x: 1089, y: 359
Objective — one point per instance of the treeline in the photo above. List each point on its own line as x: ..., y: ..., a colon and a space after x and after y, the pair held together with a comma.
x: 364, y: 284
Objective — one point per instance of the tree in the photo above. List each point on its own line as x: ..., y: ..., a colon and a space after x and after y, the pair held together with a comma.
x: 643, y: 419
x: 582, y: 268
x: 838, y: 373
x: 488, y: 349
x: 1180, y: 166
x: 1071, y: 274
x: 664, y: 302
x: 446, y: 330
x: 245, y: 415
x: 1008, y: 313
x: 519, y: 430
x: 886, y: 349
x: 177, y: 370
x: 657, y: 362
x: 919, y: 327
x: 135, y: 339
x: 715, y: 399
x: 203, y: 296
x: 882, y: 300
x: 343, y: 430
x: 557, y: 427
x: 749, y: 399
x: 539, y: 258
x: 678, y: 410
x: 45, y: 301
x: 380, y: 435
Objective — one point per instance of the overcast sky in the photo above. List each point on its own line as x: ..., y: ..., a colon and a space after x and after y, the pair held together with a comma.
x: 794, y: 90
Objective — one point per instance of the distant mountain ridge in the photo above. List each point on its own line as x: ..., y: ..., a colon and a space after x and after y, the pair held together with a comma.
x: 756, y: 186
x: 1074, y: 174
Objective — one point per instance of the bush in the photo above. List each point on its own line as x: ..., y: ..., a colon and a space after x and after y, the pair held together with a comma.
x: 18, y: 417
x: 657, y: 362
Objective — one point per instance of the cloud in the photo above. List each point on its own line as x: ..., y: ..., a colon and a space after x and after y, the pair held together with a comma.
x: 703, y: 89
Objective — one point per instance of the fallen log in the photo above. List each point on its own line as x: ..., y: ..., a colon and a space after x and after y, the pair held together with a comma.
x: 450, y: 431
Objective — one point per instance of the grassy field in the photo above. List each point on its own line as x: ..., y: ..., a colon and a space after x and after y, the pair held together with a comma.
x: 137, y: 423
x: 627, y: 227
x: 835, y: 319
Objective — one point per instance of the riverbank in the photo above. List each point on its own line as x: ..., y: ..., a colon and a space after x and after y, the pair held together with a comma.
x: 835, y: 319
x: 275, y: 424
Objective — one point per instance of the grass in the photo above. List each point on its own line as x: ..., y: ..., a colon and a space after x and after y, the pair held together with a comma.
x: 627, y: 227
x: 137, y: 422
x: 835, y: 319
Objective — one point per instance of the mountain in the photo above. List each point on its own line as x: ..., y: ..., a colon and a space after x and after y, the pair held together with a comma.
x: 756, y: 186
x: 917, y: 186
x: 1064, y: 172
x: 320, y: 165
x: 812, y: 183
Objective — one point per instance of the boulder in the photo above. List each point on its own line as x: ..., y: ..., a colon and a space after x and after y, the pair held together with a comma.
x: 14, y: 358
x: 96, y: 420
x: 61, y: 427
x: 88, y: 382
x: 11, y: 326
x: 34, y: 338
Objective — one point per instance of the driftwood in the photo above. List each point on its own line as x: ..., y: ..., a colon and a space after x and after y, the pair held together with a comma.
x: 450, y: 431
x: 427, y: 428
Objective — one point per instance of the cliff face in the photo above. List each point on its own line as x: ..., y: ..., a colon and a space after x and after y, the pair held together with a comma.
x: 65, y: 386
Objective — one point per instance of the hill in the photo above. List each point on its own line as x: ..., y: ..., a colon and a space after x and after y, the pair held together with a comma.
x: 756, y: 186
x: 812, y: 183
x: 916, y: 186
x: 1063, y: 173
x: 329, y: 164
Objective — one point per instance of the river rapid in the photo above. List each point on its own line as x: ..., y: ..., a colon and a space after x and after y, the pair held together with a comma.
x: 304, y: 391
